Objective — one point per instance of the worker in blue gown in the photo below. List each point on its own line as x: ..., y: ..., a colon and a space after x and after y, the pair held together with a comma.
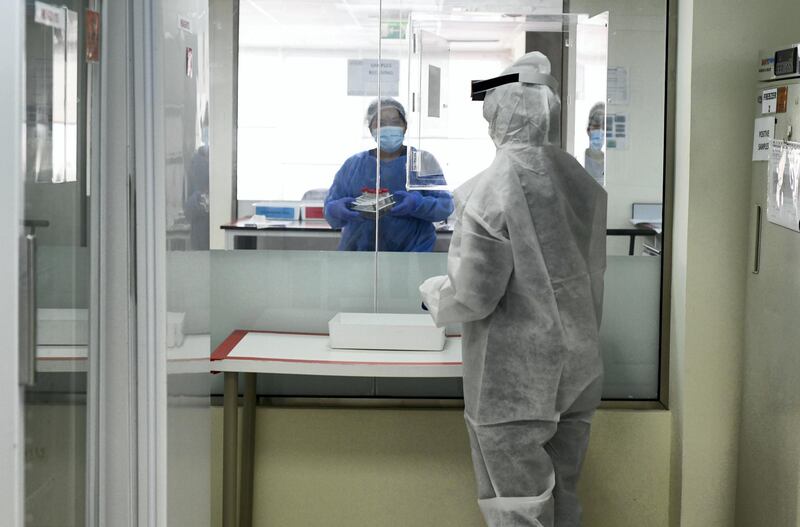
x: 409, y: 225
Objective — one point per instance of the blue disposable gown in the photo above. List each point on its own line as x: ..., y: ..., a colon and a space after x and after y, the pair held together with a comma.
x: 414, y: 232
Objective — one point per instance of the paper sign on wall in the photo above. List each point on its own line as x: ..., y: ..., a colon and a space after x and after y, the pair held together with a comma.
x: 363, y: 75
x: 765, y: 130
x: 617, y: 131
x: 48, y: 15
x: 618, y: 85
x: 769, y: 101
x: 783, y: 192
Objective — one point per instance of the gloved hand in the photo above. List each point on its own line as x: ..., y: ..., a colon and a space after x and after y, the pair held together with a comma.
x: 338, y: 209
x: 406, y: 203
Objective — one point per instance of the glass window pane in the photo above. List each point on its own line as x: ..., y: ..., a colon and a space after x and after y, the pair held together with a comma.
x: 55, y: 223
x: 302, y: 121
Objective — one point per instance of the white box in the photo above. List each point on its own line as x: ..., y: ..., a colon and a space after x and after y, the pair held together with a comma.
x: 62, y: 327
x: 70, y: 327
x: 175, y: 324
x: 385, y: 331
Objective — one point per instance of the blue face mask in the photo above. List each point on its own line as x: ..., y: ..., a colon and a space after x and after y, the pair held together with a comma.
x: 597, y: 138
x: 391, y: 138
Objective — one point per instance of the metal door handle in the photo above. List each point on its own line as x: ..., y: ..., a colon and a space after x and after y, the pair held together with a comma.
x: 757, y: 257
x: 27, y: 367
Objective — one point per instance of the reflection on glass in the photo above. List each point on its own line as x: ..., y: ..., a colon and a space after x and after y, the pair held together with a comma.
x: 429, y: 64
x: 185, y: 90
x: 195, y: 208
x: 405, y: 218
x: 55, y: 411
x: 594, y: 156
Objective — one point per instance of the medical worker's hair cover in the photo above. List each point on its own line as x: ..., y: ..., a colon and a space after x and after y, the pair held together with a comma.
x: 524, y: 113
x: 597, y: 116
x: 385, y: 102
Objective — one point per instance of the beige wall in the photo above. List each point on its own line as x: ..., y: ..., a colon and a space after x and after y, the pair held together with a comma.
x: 768, y: 491
x: 718, y: 50
x: 381, y: 468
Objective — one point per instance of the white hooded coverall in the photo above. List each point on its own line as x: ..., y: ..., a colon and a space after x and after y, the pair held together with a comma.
x: 525, y: 277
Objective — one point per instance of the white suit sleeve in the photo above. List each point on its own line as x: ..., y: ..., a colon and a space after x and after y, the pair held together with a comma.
x: 478, y: 270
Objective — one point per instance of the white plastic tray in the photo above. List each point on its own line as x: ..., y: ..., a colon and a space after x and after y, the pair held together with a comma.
x: 385, y: 331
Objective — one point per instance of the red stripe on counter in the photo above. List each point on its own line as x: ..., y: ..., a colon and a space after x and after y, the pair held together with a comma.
x: 227, y: 345
x: 354, y: 363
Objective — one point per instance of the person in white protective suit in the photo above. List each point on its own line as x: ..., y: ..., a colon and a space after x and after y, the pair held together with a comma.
x: 525, y: 277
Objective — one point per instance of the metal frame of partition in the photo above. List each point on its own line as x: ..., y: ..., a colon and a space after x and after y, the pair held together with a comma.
x: 668, y: 199
x: 150, y: 262
x: 632, y: 234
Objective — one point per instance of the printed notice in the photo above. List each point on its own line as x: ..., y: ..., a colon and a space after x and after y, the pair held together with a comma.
x: 617, y: 131
x: 765, y: 129
x: 373, y: 77
x: 769, y: 101
x: 48, y: 15
x: 618, y: 85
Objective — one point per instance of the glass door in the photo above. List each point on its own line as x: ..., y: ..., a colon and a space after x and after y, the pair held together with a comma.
x: 429, y: 64
x: 54, y: 287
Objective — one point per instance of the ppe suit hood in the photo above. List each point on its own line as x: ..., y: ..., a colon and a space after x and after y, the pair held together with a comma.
x: 523, y: 114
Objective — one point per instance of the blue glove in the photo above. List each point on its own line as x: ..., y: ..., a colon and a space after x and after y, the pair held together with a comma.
x: 406, y: 203
x: 338, y: 209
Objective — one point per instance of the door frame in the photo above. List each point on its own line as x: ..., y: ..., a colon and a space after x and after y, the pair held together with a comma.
x: 126, y: 424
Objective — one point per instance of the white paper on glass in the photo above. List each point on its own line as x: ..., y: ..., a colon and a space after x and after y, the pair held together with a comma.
x: 762, y: 138
x: 783, y: 191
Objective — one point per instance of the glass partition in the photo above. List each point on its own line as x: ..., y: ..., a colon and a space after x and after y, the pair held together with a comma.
x: 326, y: 90
x: 184, y: 168
x: 55, y: 289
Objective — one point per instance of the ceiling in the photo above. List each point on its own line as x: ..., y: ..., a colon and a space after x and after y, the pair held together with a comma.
x: 355, y: 24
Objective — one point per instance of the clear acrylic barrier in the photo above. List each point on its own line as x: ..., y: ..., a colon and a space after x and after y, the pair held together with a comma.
x: 300, y: 291
x: 445, y: 126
